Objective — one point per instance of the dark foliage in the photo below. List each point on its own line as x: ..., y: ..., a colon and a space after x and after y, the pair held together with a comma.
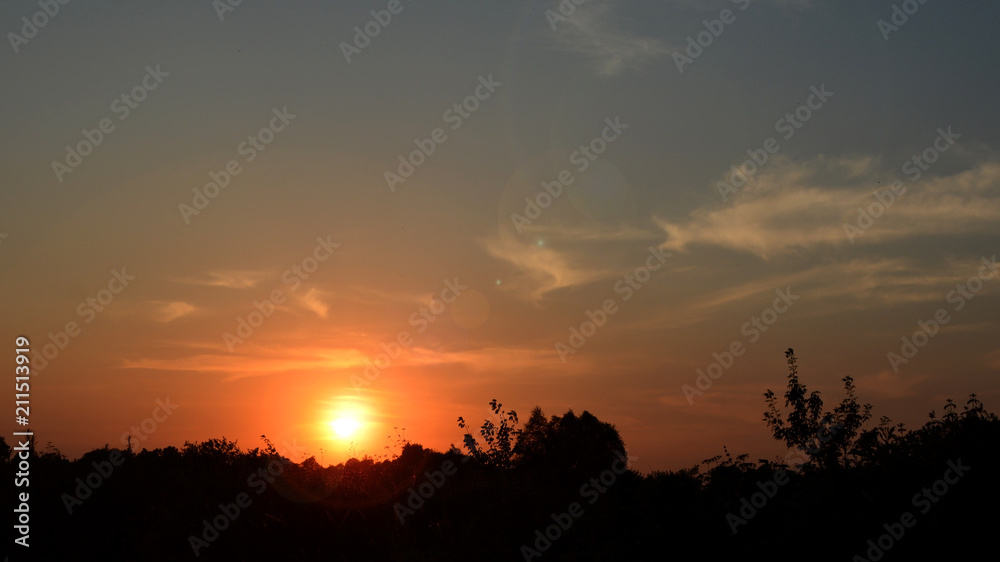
x: 846, y: 481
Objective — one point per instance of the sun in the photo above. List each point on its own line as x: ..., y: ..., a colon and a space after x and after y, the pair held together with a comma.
x: 346, y: 419
x: 345, y: 427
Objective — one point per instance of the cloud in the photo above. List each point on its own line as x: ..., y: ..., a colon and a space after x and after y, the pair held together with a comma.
x: 170, y: 311
x: 488, y: 359
x: 801, y: 206
x: 260, y: 360
x: 565, y: 254
x: 230, y: 279
x: 314, y: 301
x: 830, y: 288
x: 592, y: 32
x: 544, y: 269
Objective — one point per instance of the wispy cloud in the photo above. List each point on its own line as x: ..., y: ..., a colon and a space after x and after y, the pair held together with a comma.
x: 230, y: 279
x: 557, y: 255
x: 594, y: 32
x: 262, y: 361
x: 488, y: 359
x: 170, y: 311
x: 800, y: 206
x: 830, y: 287
x: 314, y: 300
x: 275, y: 360
x: 544, y: 269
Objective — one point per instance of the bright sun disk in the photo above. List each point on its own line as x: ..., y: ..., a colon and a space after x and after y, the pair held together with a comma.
x: 345, y: 427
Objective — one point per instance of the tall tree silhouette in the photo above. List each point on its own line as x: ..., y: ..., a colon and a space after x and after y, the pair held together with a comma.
x: 830, y: 438
x: 569, y: 442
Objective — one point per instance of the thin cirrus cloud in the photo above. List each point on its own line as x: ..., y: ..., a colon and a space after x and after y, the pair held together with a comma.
x: 788, y: 208
x: 229, y: 279
x: 170, y: 311
x: 263, y: 361
x: 546, y: 268
x: 275, y: 360
x: 314, y: 300
x: 564, y: 253
x: 542, y: 270
x: 593, y: 32
x: 831, y: 287
x: 486, y: 359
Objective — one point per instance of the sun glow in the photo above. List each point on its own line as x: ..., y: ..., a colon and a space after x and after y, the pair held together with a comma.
x: 347, y: 419
x: 345, y: 427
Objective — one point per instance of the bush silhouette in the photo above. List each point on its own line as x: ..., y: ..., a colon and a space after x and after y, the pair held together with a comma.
x: 499, y: 440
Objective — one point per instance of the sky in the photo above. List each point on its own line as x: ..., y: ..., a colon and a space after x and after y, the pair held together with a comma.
x: 215, y: 218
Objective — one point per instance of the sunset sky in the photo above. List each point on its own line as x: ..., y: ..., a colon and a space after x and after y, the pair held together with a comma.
x: 632, y: 126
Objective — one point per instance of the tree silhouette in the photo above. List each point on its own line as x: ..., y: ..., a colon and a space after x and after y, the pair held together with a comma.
x: 534, y: 439
x: 568, y: 443
x: 557, y: 473
x: 830, y: 438
x: 499, y: 441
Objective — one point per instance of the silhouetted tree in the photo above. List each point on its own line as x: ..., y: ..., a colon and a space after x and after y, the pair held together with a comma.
x: 499, y: 441
x: 569, y: 442
x: 534, y: 438
x: 828, y: 437
x: 148, y: 506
